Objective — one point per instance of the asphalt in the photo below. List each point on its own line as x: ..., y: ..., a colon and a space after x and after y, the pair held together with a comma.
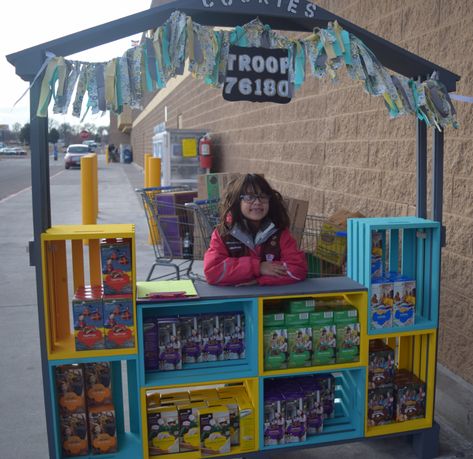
x: 22, y: 420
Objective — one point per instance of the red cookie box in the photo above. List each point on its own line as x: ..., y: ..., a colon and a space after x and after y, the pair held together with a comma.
x: 88, y: 322
x: 119, y: 322
x: 116, y: 266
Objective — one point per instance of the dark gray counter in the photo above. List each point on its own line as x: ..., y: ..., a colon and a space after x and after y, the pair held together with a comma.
x: 307, y: 287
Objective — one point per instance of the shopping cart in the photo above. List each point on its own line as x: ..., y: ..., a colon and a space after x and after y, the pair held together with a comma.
x: 171, y: 230
x: 325, y: 248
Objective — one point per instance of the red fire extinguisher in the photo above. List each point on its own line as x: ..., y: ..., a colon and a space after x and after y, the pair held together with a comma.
x: 205, y: 152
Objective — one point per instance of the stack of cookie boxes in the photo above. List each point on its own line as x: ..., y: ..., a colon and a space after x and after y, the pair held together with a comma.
x: 103, y: 315
x: 87, y: 413
x: 208, y: 420
x: 172, y: 343
x: 393, y: 296
x: 309, y: 332
x: 394, y: 395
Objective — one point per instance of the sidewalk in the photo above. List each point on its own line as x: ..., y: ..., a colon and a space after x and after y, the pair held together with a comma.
x: 22, y: 421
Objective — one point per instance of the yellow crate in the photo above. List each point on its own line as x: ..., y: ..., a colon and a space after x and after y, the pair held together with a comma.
x: 414, y: 351
x: 61, y: 245
x: 252, y: 388
x: 357, y: 299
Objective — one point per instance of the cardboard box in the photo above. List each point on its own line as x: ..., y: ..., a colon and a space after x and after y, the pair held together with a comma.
x: 297, y: 212
x: 212, y: 186
x: 330, y: 246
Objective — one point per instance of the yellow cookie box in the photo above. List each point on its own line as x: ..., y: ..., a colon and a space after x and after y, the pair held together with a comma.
x: 214, y: 423
x: 163, y: 430
x: 189, y: 433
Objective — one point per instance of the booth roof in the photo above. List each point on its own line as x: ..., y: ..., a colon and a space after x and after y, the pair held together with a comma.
x: 284, y: 17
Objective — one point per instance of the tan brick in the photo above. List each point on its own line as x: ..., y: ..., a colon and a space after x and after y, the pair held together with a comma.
x: 458, y: 275
x: 343, y: 100
x: 455, y: 350
x: 345, y: 127
x: 347, y: 154
x: 398, y: 187
x: 462, y: 196
x: 455, y: 310
x: 388, y: 27
x: 455, y: 12
x: 309, y: 107
x: 321, y: 177
x: 459, y: 231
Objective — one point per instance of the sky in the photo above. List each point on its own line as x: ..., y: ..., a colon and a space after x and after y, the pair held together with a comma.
x: 27, y: 23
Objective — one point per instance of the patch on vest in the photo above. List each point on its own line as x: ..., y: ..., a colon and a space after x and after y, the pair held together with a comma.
x: 233, y: 245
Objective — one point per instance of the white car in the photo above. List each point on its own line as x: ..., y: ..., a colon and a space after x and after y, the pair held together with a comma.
x: 74, y: 153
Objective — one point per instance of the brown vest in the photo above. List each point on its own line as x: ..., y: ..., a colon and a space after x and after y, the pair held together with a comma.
x: 270, y: 249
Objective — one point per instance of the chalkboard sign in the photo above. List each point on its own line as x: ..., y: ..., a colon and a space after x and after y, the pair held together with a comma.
x: 257, y: 75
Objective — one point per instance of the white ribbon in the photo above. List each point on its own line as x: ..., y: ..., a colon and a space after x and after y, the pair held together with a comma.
x: 460, y: 98
x: 49, y: 56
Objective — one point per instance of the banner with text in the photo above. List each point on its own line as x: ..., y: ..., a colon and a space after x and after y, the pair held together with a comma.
x: 257, y: 75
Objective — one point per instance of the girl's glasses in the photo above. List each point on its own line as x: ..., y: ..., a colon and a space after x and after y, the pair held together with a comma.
x: 251, y: 198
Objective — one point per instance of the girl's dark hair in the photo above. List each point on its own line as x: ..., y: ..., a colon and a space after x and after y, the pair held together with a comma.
x: 250, y: 184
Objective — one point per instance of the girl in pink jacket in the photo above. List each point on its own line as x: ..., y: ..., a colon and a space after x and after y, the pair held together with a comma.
x: 252, y: 243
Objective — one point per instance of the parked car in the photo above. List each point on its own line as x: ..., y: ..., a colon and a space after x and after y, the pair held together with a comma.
x: 74, y: 153
x: 91, y: 143
x: 13, y: 151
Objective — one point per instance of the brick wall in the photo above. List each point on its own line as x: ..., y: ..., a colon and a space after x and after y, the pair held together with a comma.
x: 336, y: 146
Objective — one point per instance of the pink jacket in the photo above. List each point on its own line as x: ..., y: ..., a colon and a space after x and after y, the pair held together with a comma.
x: 222, y: 269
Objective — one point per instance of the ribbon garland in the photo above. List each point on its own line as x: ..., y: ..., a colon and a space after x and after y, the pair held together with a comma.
x: 148, y: 66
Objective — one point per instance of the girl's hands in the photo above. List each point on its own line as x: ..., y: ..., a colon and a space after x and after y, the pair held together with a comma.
x: 268, y: 268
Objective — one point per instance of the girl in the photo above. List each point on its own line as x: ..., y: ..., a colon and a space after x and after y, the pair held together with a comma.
x: 252, y: 243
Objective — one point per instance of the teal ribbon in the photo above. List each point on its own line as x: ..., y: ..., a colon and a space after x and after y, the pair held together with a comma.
x: 213, y: 78
x: 346, y: 43
x: 118, y: 87
x: 238, y: 37
x: 299, y: 65
x: 149, y: 81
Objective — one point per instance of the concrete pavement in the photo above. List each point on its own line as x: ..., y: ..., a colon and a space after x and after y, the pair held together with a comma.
x: 22, y: 421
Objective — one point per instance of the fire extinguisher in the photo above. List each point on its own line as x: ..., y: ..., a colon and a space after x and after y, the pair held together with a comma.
x: 205, y: 152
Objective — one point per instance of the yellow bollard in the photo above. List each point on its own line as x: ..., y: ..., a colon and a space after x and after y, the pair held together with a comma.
x: 96, y: 185
x: 146, y: 168
x: 106, y: 155
x: 154, y: 171
x: 87, y: 193
x: 154, y: 179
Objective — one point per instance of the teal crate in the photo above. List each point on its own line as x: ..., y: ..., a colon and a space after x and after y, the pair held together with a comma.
x: 349, y: 407
x: 411, y: 246
x: 205, y: 371
x: 129, y: 442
